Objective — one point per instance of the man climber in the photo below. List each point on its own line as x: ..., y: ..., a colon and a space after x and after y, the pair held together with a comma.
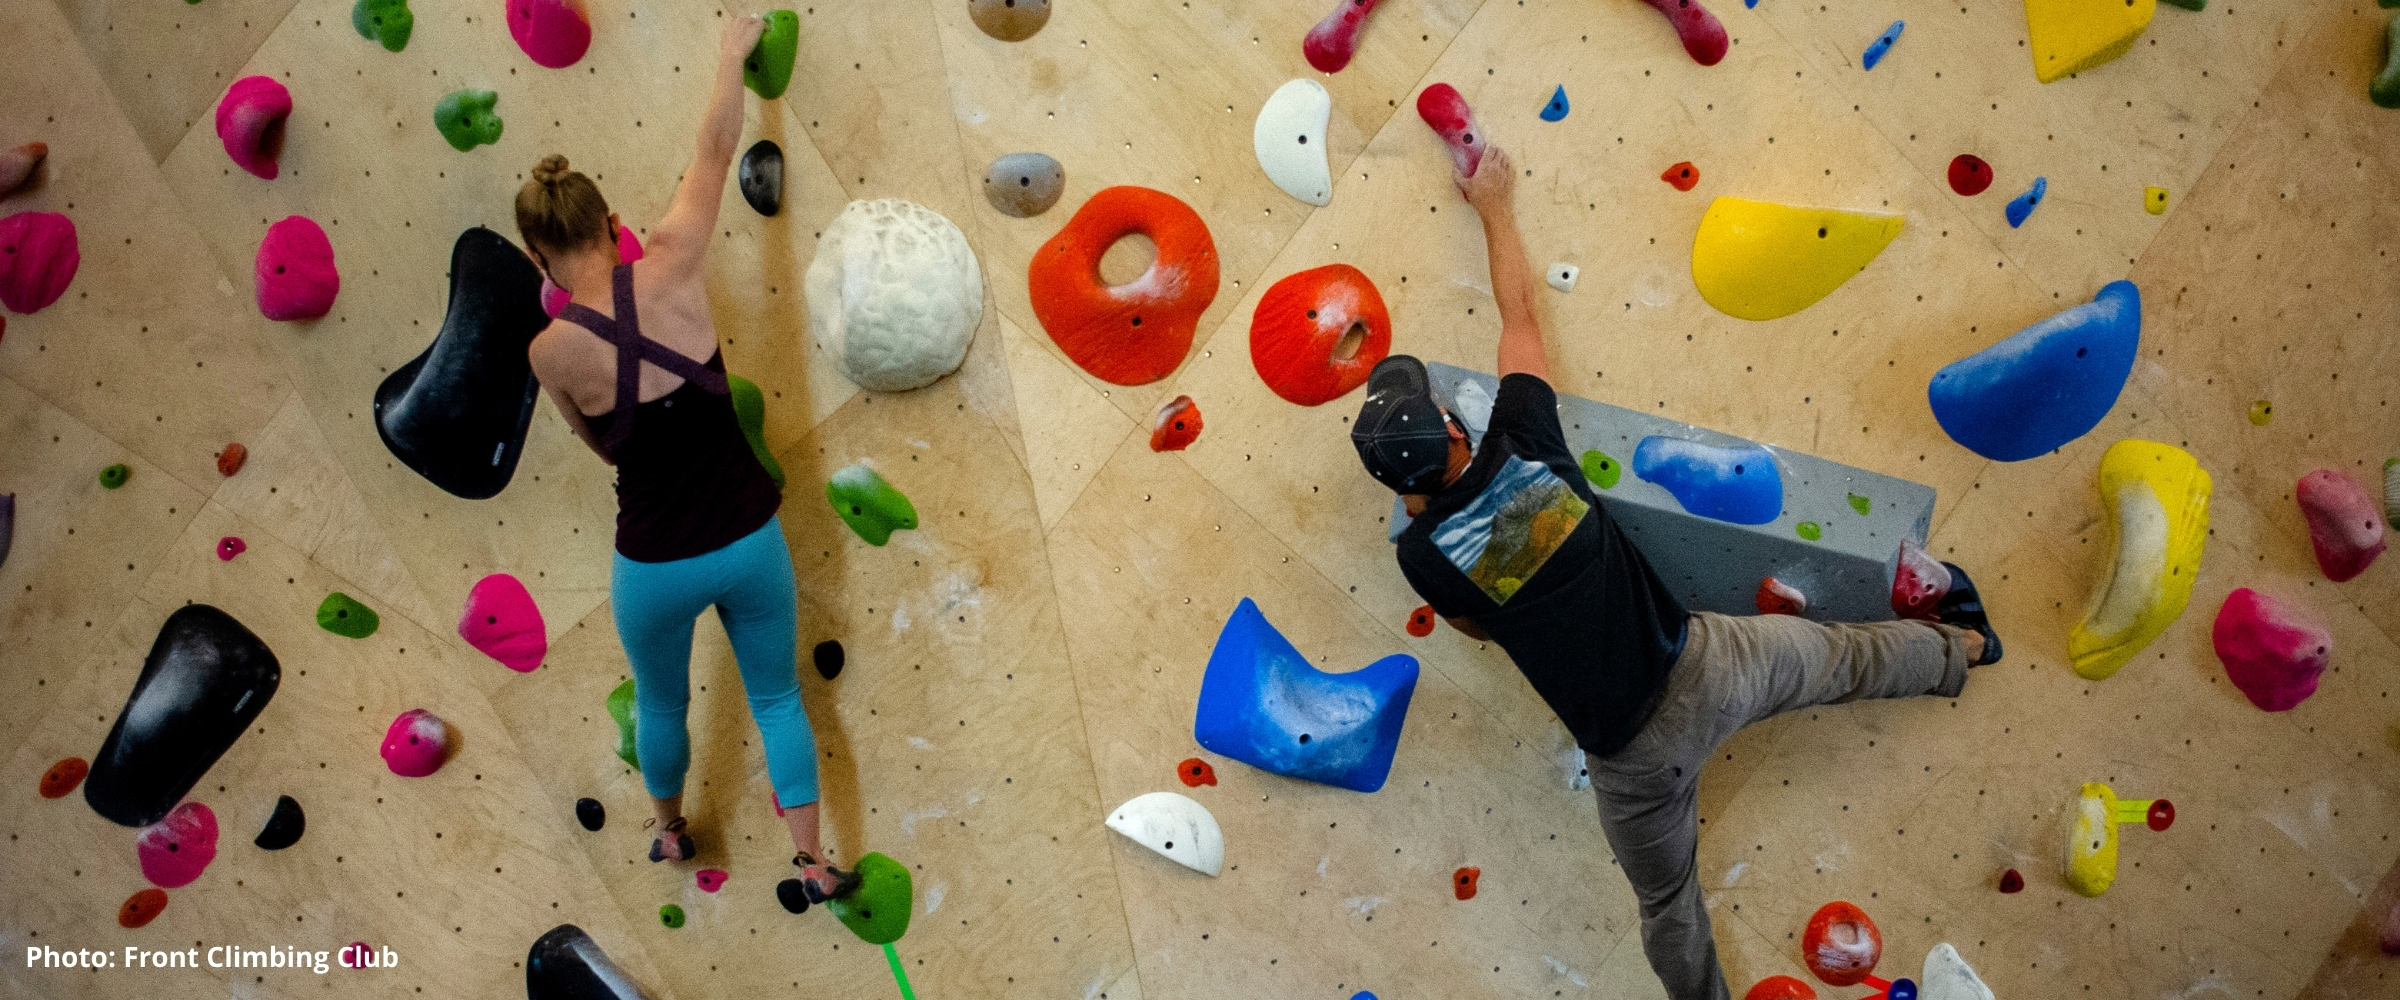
x: 1511, y: 545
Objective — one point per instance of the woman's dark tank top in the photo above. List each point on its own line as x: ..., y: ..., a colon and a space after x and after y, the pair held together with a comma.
x: 687, y: 481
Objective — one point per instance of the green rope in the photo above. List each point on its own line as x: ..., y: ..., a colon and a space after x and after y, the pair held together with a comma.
x: 899, y: 975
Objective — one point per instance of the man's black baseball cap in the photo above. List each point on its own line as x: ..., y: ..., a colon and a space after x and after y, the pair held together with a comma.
x: 1400, y: 433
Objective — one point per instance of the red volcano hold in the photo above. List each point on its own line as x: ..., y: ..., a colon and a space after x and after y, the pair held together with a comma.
x: 1969, y: 175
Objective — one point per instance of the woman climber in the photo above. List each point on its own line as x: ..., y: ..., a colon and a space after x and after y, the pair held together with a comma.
x: 644, y: 385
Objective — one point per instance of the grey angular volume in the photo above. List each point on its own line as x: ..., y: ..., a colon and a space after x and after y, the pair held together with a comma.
x: 761, y: 177
x: 204, y: 681
x: 1024, y: 185
x: 458, y: 413
x: 566, y: 964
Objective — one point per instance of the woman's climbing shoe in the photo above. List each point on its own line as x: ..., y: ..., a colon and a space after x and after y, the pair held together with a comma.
x: 793, y: 894
x: 684, y: 851
x: 823, y: 882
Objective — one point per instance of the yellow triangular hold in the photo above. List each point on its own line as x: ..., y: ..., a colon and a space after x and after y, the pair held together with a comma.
x: 1761, y: 260
x: 2156, y: 500
x: 2070, y: 36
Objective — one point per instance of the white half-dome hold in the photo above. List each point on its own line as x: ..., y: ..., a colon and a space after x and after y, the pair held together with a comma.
x: 1174, y: 826
x: 894, y: 295
x: 1949, y: 977
x: 1291, y: 140
x: 1562, y: 276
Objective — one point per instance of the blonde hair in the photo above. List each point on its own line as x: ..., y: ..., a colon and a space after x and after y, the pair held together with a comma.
x: 560, y: 209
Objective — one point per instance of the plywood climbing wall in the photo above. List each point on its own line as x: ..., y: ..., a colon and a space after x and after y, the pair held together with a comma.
x: 1029, y: 657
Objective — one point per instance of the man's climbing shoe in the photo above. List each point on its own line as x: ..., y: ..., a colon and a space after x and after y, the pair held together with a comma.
x: 684, y: 851
x: 1963, y: 607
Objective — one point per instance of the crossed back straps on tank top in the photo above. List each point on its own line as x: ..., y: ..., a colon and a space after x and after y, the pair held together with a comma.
x: 625, y: 331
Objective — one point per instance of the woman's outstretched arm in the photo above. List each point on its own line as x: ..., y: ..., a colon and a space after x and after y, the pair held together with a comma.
x: 681, y: 239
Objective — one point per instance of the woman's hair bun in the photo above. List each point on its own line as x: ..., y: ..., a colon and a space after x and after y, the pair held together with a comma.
x: 551, y: 170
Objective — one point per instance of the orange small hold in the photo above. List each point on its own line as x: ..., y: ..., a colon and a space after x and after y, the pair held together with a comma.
x: 141, y: 908
x: 1780, y: 988
x: 1683, y: 175
x: 1420, y: 621
x: 1776, y: 597
x: 1178, y: 425
x: 230, y: 460
x: 1462, y: 882
x: 63, y: 776
x: 1841, y: 944
x: 1195, y: 772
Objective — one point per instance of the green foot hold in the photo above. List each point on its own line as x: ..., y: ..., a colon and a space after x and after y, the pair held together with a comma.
x: 343, y: 615
x: 2188, y: 4
x: 115, y: 476
x: 878, y: 911
x: 620, y: 708
x: 769, y: 68
x: 1809, y: 530
x: 385, y: 21
x: 869, y: 505
x: 1602, y: 470
x: 671, y: 915
x: 2386, y: 88
x: 1862, y: 505
x: 466, y: 119
x: 750, y: 410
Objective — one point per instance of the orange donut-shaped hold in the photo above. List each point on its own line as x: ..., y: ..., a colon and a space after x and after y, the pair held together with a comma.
x: 1841, y: 945
x: 1128, y: 334
x: 1304, y: 319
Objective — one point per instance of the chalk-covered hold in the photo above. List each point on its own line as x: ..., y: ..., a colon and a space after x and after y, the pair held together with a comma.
x: 2273, y: 651
x: 1949, y: 977
x: 2343, y: 526
x: 894, y: 295
x: 1841, y: 944
x: 416, y: 743
x: 296, y: 279
x: 2045, y: 385
x: 1290, y: 140
x: 2155, y: 498
x: 1736, y: 484
x: 204, y: 681
x: 1562, y: 276
x: 175, y: 850
x: 1178, y: 828
x: 1330, y: 45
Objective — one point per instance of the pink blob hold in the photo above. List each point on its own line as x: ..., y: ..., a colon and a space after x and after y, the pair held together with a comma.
x: 1334, y: 40
x: 250, y: 123
x: 554, y: 298
x: 553, y: 33
x: 1446, y: 111
x: 1919, y: 584
x: 1703, y: 36
x: 17, y: 165
x: 2273, y: 651
x: 2343, y: 524
x: 175, y: 850
x: 229, y: 547
x: 2388, y: 934
x: 710, y: 879
x: 296, y: 276
x: 353, y: 955
x: 503, y: 623
x: 416, y: 744
x: 38, y: 258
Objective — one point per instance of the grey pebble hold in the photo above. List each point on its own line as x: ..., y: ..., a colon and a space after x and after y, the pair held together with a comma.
x: 1024, y: 185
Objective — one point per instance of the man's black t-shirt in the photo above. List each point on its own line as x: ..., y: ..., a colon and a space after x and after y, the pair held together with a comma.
x: 1522, y: 547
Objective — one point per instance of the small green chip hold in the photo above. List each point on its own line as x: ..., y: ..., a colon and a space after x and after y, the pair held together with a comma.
x: 1602, y: 470
x: 115, y: 476
x: 1809, y: 530
x: 342, y: 615
x: 869, y: 505
x: 1862, y: 505
x: 671, y: 915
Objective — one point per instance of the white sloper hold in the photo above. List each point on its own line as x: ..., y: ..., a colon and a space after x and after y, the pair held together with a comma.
x: 895, y: 294
x: 1291, y: 141
x: 1949, y: 977
x: 1174, y: 826
x: 1562, y: 276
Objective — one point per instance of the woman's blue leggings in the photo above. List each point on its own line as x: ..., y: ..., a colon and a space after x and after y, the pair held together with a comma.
x: 750, y: 583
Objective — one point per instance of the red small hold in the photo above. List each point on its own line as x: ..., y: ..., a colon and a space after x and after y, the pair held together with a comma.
x: 1969, y: 175
x: 2162, y: 814
x: 230, y: 460
x: 63, y: 776
x: 2011, y: 882
x: 1178, y: 425
x: 1195, y: 772
x: 1776, y: 597
x: 1683, y: 175
x: 229, y: 547
x: 1420, y: 621
x: 1462, y: 882
x: 140, y: 908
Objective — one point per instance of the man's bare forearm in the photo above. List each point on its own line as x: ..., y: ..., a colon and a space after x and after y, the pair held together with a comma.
x: 1521, y: 347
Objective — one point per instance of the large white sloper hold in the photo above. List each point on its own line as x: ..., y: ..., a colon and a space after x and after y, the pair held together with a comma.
x: 1174, y: 826
x: 1949, y: 977
x: 894, y: 295
x: 1291, y: 141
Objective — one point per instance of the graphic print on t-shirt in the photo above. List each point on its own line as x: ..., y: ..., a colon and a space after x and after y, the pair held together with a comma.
x: 1510, y: 529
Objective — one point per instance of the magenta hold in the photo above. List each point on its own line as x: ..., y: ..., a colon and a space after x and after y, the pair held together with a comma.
x: 296, y: 276
x: 710, y: 879
x: 229, y: 547
x: 250, y: 122
x: 502, y: 621
x: 175, y: 850
x: 553, y: 33
x: 38, y: 259
x: 2343, y: 524
x: 416, y: 744
x: 2272, y: 651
